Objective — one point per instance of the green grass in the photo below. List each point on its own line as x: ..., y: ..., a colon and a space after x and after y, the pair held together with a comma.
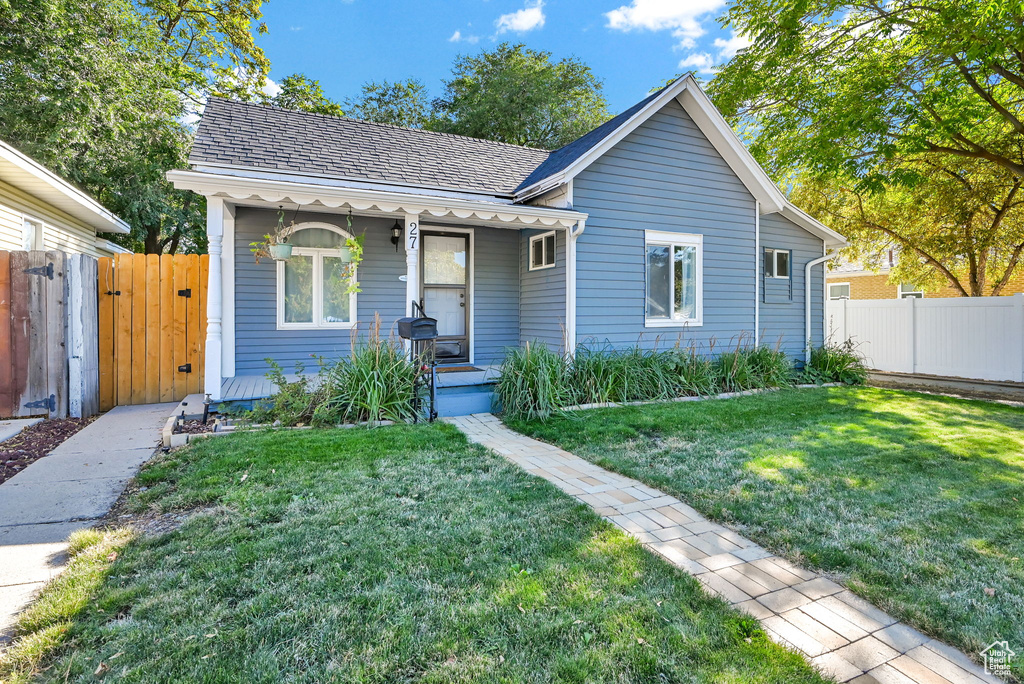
x: 397, y: 554
x: 915, y: 502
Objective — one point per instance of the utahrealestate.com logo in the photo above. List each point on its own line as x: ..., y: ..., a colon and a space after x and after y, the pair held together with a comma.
x: 997, y: 659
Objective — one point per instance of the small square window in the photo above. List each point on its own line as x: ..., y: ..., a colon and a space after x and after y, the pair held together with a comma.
x: 542, y: 251
x: 776, y: 263
x: 910, y: 292
x: 839, y: 291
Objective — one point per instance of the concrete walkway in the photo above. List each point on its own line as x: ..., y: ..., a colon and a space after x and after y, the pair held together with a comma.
x: 841, y: 634
x: 66, y: 491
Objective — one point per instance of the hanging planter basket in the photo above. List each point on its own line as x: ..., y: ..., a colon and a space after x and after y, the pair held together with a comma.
x: 345, y: 254
x: 282, y: 251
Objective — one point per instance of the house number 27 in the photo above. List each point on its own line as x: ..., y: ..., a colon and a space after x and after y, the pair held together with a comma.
x: 414, y: 233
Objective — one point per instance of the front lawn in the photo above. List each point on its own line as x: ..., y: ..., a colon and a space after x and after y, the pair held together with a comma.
x: 915, y: 502
x: 390, y: 555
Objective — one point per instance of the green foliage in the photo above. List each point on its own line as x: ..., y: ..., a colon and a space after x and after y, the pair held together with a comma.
x: 516, y: 95
x: 836, y: 363
x: 398, y: 103
x: 376, y: 381
x: 302, y: 93
x: 853, y: 89
x: 535, y: 382
x: 99, y: 93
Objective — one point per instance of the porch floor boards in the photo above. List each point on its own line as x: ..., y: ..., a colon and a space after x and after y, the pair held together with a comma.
x: 250, y: 387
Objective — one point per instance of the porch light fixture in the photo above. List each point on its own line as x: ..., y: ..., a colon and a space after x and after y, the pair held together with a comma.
x: 396, y: 234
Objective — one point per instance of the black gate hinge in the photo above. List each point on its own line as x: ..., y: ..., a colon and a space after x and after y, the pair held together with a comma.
x: 185, y: 368
x: 186, y: 293
x: 46, y: 270
x: 49, y: 404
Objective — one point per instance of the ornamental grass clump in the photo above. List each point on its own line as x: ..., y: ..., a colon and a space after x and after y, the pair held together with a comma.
x: 833, y: 362
x: 534, y: 382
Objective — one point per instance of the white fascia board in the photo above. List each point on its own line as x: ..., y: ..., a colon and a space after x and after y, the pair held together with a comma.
x: 241, y: 188
x: 832, y: 239
x: 114, y: 248
x: 627, y: 127
x: 725, y: 141
x: 82, y: 206
x: 344, y: 182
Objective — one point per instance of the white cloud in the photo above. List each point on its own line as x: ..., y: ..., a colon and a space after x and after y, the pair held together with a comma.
x: 728, y: 47
x: 270, y: 87
x: 529, y: 18
x: 701, y: 62
x: 457, y: 37
x: 682, y: 17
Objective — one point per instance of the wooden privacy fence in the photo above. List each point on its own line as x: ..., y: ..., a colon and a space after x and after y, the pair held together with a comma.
x: 33, y: 334
x: 152, y: 327
x: 965, y: 337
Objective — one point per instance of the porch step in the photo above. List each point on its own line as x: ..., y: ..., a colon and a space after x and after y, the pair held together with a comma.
x: 463, y: 400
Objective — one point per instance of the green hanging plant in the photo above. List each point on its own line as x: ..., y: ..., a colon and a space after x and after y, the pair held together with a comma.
x: 354, y: 245
x: 270, y: 246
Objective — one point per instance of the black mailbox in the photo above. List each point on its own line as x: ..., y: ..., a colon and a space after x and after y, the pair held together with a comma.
x: 417, y: 328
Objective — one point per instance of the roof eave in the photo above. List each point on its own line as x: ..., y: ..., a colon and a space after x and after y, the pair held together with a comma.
x: 90, y: 211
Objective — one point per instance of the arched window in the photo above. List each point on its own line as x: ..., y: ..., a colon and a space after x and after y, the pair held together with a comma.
x: 312, y: 285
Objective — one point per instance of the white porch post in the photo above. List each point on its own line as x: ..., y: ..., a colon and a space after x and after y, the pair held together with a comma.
x: 412, y: 261
x: 572, y: 233
x: 215, y: 211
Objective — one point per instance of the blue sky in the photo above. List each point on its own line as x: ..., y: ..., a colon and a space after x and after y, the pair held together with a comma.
x: 632, y: 44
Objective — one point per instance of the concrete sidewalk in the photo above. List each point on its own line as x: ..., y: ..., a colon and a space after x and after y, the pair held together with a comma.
x: 66, y: 491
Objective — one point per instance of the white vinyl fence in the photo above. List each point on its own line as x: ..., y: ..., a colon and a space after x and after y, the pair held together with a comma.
x: 965, y: 337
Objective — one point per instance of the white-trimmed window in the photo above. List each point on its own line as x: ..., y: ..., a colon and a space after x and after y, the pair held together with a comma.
x: 675, y: 287
x: 910, y: 292
x: 839, y: 290
x: 542, y: 251
x: 312, y: 285
x: 31, y: 234
x: 776, y: 263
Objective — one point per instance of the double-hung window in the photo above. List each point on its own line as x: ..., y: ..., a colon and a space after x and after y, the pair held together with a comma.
x: 674, y: 279
x: 776, y: 263
x: 312, y: 286
x: 542, y: 251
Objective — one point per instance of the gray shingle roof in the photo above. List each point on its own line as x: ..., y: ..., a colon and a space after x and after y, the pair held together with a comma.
x: 243, y: 134
x: 563, y: 157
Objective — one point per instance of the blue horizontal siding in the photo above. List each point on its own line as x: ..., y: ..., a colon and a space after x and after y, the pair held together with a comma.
x: 782, y: 318
x: 542, y: 304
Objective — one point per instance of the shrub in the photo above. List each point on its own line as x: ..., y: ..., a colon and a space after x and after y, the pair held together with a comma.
x: 377, y: 381
x: 836, y: 363
x: 533, y: 382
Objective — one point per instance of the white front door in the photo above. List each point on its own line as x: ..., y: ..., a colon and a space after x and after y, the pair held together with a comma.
x: 445, y: 293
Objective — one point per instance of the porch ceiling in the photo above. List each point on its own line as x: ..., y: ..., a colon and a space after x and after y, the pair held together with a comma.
x: 273, y: 192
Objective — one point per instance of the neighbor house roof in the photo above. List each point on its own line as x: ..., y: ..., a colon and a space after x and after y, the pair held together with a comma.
x: 238, y: 134
x: 30, y: 176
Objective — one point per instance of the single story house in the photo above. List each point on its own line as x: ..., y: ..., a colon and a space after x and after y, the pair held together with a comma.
x: 39, y: 210
x: 656, y: 228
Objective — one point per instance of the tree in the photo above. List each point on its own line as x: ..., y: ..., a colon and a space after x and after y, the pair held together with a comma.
x: 847, y: 88
x: 99, y: 92
x: 517, y: 95
x: 962, y: 225
x: 401, y: 103
x: 303, y: 93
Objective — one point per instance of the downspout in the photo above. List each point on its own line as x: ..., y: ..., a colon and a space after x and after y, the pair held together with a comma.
x: 572, y: 233
x: 757, y: 273
x: 807, y: 302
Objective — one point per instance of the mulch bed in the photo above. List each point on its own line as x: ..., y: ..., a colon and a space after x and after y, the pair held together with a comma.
x: 194, y: 427
x: 34, y: 442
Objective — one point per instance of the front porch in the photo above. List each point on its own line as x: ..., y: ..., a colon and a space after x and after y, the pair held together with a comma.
x: 467, y: 263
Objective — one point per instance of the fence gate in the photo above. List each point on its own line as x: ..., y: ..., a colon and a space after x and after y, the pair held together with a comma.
x: 33, y: 334
x: 152, y: 327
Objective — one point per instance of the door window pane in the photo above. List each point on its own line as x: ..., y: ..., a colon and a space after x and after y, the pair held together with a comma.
x: 659, y: 282
x: 336, y: 297
x: 444, y: 260
x: 685, y: 282
x: 298, y: 289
